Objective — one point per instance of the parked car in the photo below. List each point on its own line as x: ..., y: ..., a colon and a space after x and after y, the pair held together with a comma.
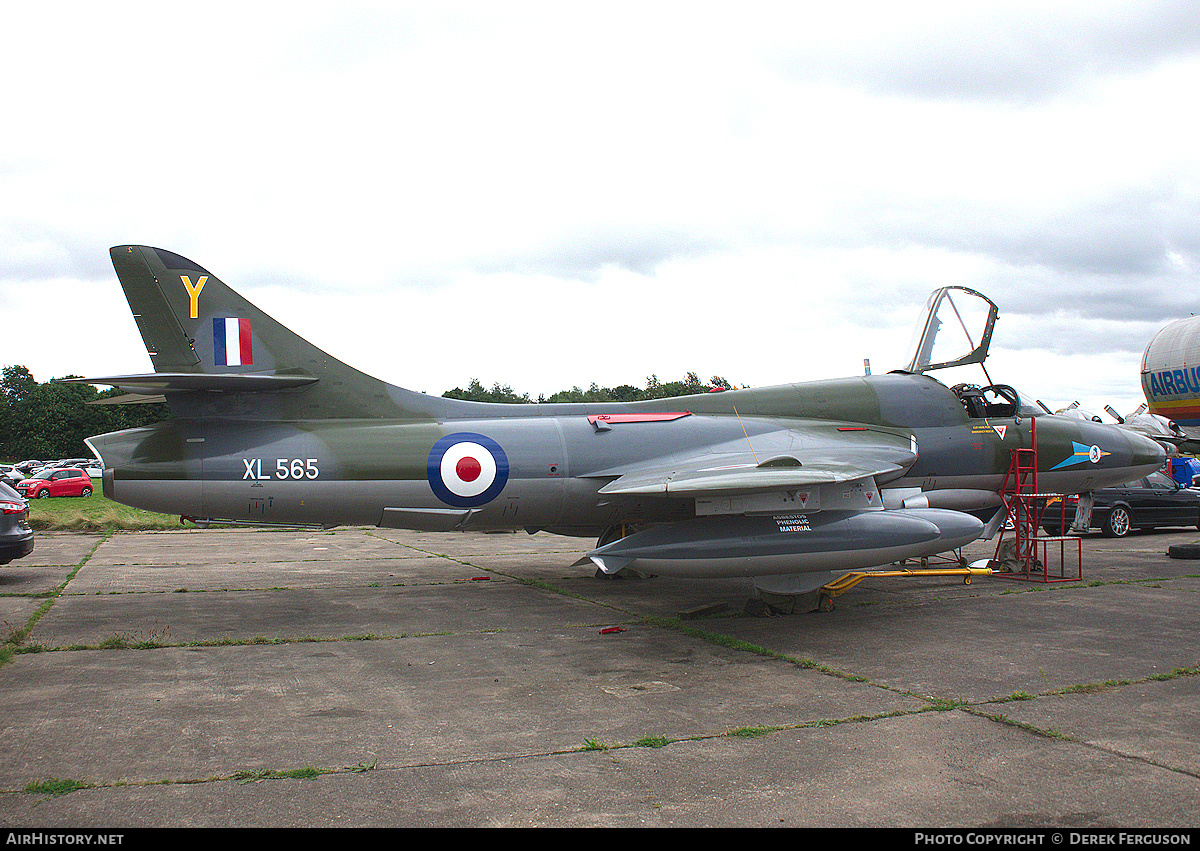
x: 1156, y: 500
x: 72, y: 462
x: 10, y: 475
x: 56, y: 481
x: 16, y: 538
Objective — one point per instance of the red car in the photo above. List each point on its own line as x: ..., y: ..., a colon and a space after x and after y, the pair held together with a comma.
x: 56, y: 481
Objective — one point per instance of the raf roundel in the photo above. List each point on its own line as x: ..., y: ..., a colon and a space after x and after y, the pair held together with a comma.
x: 467, y: 470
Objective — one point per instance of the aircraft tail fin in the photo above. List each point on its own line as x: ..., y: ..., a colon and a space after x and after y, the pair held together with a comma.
x: 216, y: 354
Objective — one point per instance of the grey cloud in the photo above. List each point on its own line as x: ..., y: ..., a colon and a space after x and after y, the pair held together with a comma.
x: 37, y: 253
x: 1118, y: 238
x: 1008, y: 54
x: 1073, y: 333
x: 583, y: 256
x: 1125, y: 236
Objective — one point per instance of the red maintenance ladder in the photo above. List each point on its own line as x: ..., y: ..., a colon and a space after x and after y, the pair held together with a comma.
x: 1025, y: 506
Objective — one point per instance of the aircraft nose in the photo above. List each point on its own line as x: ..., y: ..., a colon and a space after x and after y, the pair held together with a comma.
x: 1146, y: 452
x: 1095, y: 454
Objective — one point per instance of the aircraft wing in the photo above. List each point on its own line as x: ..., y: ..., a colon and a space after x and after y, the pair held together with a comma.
x: 765, y: 464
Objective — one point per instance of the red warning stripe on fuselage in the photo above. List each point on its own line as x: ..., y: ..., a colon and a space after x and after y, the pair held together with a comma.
x: 637, y: 418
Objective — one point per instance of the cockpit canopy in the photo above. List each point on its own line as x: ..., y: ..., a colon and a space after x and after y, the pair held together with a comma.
x: 957, y: 330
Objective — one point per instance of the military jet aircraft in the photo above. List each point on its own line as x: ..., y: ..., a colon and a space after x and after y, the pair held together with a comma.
x: 784, y: 484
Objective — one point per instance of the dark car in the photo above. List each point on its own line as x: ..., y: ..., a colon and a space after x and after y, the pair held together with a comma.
x: 71, y: 462
x: 16, y: 538
x: 53, y: 481
x: 1157, y: 500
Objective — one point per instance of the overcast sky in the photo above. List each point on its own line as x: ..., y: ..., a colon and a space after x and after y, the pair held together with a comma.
x: 555, y: 194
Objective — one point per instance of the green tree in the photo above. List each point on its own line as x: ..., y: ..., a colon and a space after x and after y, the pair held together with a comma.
x: 476, y: 392
x: 18, y: 383
x: 51, y: 420
x: 654, y: 389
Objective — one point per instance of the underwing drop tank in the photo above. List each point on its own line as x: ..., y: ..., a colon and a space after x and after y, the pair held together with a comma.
x: 773, y: 544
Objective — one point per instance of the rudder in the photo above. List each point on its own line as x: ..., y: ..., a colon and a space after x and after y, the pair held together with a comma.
x: 167, y: 342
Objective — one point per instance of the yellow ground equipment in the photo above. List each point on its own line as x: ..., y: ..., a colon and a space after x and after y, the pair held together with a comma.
x: 847, y: 581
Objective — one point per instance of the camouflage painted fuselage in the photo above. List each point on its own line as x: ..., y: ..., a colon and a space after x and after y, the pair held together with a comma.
x: 556, y: 459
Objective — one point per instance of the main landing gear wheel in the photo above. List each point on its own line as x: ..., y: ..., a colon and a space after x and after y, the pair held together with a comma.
x: 612, y: 533
x: 615, y: 533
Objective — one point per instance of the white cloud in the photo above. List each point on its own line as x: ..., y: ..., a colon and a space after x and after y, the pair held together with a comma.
x: 546, y: 195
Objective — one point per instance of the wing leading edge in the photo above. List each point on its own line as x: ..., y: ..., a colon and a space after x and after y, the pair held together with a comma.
x: 810, y: 459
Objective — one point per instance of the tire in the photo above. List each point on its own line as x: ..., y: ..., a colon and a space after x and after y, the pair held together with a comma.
x: 1118, y: 523
x: 86, y: 492
x: 43, y: 493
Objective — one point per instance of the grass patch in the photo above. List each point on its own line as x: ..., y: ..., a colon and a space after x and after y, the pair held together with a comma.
x: 593, y: 745
x: 308, y: 772
x: 945, y: 704
x: 652, y: 742
x: 95, y: 513
x: 1178, y: 672
x: 54, y: 787
x: 1091, y: 688
x: 1049, y: 733
x: 1017, y: 695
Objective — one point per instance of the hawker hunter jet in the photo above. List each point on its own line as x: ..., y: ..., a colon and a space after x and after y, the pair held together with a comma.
x: 782, y: 484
